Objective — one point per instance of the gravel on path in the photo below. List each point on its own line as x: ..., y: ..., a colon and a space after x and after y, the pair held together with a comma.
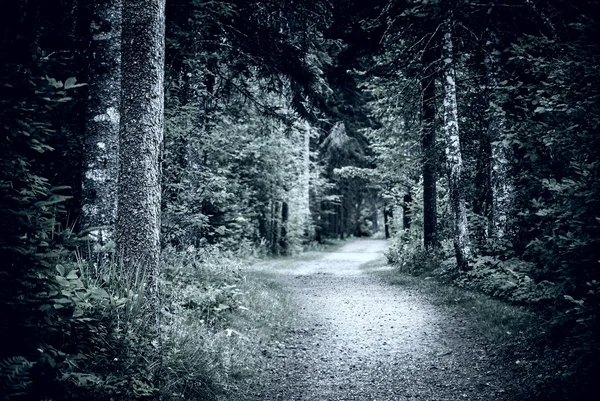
x: 355, y: 337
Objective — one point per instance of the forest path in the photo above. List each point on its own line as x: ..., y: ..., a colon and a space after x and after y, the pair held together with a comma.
x: 356, y: 337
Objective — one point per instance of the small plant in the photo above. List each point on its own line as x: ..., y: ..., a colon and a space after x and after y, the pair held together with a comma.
x: 406, y: 252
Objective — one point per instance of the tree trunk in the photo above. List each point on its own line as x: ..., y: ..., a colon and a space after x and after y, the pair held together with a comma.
x: 406, y: 217
x: 453, y: 153
x: 270, y: 225
x: 306, y: 178
x: 341, y: 230
x: 502, y: 185
x: 386, y: 221
x: 483, y: 201
x: 284, y: 240
x: 429, y: 152
x: 141, y: 134
x: 101, y: 146
x: 336, y: 220
x: 276, y: 227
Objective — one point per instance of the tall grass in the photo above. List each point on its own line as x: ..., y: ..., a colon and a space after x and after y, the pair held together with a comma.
x: 217, y: 319
x: 99, y: 338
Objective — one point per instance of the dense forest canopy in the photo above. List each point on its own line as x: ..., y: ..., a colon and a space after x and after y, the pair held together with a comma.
x: 465, y: 131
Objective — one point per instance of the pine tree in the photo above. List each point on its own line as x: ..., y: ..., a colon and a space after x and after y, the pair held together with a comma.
x: 428, y: 142
x: 141, y: 135
x: 460, y: 229
x: 101, y: 147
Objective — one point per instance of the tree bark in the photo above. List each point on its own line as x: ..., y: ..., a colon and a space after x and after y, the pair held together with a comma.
x: 285, y: 217
x: 502, y: 185
x: 141, y: 135
x: 429, y: 152
x: 306, y: 176
x: 386, y: 222
x: 457, y: 192
x: 101, y: 146
x: 406, y: 217
x: 276, y: 227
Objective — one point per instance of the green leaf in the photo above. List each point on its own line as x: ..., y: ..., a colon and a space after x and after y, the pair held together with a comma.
x: 63, y: 301
x: 62, y: 281
x: 60, y: 269
x: 99, y: 293
x: 54, y: 82
x: 70, y: 83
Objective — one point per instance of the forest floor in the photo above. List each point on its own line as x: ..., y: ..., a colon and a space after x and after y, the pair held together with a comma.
x: 355, y: 336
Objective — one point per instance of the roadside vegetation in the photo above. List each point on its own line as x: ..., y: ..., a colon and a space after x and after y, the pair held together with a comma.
x: 552, y: 354
x: 97, y: 338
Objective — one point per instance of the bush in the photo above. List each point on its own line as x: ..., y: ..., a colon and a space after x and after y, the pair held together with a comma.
x: 407, y: 253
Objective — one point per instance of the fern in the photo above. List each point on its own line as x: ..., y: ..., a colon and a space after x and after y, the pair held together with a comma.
x: 14, y: 376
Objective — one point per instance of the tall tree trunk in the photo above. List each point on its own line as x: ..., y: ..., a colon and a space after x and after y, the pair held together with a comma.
x: 336, y: 220
x: 276, y: 227
x: 429, y: 151
x: 341, y: 230
x: 306, y: 178
x: 270, y: 224
x: 453, y: 153
x: 406, y: 217
x: 386, y: 221
x: 483, y: 200
x: 502, y: 184
x: 101, y: 146
x: 141, y: 135
x: 285, y: 217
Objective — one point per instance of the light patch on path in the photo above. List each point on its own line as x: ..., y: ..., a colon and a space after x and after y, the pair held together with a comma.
x: 358, y: 338
x: 345, y: 261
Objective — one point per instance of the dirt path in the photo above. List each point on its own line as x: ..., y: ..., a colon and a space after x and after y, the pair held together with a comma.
x: 358, y: 338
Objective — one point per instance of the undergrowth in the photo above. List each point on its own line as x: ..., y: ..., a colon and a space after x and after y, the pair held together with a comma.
x: 217, y: 320
x: 93, y: 336
x: 554, y: 332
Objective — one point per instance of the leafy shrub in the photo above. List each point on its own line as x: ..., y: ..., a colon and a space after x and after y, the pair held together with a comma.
x: 202, y: 284
x: 93, y: 341
x: 507, y: 279
x: 407, y: 253
x: 37, y: 326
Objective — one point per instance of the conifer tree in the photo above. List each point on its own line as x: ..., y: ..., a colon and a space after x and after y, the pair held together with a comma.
x: 101, y: 146
x: 141, y: 135
x: 460, y: 229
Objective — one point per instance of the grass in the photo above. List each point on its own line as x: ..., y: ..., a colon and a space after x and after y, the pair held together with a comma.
x: 222, y: 318
x: 224, y: 314
x: 313, y: 252
x: 498, y: 321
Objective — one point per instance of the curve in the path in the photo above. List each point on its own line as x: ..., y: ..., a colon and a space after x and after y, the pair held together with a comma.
x: 358, y: 338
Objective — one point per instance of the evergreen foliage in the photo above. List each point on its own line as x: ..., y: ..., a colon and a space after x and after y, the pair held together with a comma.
x: 547, y: 258
x: 288, y: 122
